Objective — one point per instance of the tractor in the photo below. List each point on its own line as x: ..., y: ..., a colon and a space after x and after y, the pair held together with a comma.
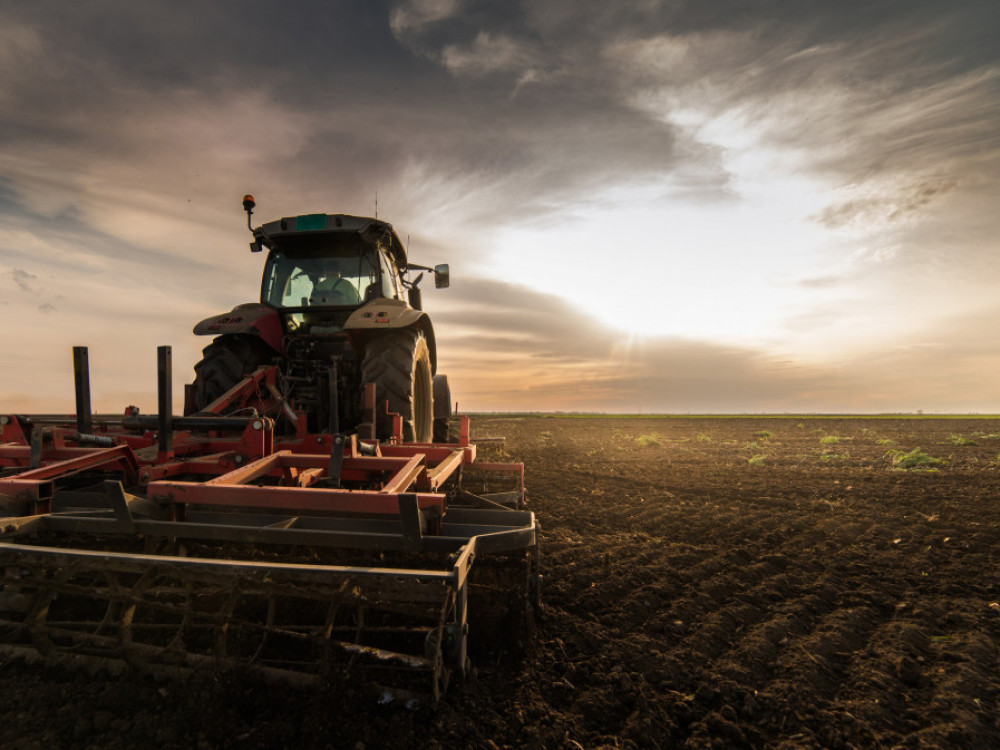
x: 336, y: 313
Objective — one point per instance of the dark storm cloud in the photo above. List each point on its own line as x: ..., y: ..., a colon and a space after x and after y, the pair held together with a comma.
x: 527, y: 106
x: 111, y: 78
x: 377, y: 108
x: 902, y: 95
x: 189, y: 43
x: 898, y: 80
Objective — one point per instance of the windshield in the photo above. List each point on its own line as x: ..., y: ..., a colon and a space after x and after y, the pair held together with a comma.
x: 320, y: 272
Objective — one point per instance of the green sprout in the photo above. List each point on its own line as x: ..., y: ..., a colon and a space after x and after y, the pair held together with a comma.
x: 914, y: 459
x: 960, y: 440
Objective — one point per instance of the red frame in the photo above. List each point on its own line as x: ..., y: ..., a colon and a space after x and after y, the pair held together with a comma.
x: 294, y: 469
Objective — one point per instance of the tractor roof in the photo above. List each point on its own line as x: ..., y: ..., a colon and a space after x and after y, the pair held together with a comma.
x: 372, y: 231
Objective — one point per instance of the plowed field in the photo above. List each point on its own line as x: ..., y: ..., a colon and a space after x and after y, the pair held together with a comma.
x: 717, y: 582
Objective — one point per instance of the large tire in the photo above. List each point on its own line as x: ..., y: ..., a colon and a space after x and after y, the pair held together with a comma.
x: 398, y: 362
x: 225, y: 362
x: 442, y: 409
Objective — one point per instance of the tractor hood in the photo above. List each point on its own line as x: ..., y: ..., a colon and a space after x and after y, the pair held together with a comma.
x: 371, y: 231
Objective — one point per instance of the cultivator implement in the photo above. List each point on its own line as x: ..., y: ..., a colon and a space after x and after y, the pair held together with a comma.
x: 210, y: 541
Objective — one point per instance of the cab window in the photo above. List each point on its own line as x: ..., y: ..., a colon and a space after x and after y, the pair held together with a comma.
x: 391, y: 286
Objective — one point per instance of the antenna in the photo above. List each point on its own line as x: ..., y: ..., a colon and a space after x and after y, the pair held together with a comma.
x: 376, y: 204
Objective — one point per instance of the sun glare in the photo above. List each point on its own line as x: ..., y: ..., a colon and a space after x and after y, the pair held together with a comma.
x: 654, y: 265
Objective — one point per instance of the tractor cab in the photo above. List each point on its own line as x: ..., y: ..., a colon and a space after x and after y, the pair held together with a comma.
x: 320, y: 268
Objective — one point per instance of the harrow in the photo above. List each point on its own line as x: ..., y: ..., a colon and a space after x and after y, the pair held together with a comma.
x: 212, y: 541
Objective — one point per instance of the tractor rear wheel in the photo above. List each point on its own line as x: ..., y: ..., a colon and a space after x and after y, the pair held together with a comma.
x: 442, y: 410
x: 225, y: 362
x: 398, y: 362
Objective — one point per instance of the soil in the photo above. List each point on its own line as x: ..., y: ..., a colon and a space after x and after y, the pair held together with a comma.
x: 709, y: 583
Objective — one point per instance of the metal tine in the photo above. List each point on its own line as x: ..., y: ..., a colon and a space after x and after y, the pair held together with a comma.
x: 336, y: 461
x: 81, y: 381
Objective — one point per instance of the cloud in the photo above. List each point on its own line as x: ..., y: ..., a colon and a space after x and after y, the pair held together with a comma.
x: 592, y: 110
x: 23, y: 279
x: 873, y: 101
x: 507, y: 347
x: 564, y: 360
x: 873, y: 210
x: 714, y: 107
x: 488, y: 54
x: 823, y: 282
x: 132, y: 129
x: 413, y: 16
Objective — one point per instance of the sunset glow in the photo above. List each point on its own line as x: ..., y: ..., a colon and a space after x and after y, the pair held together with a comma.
x: 670, y: 212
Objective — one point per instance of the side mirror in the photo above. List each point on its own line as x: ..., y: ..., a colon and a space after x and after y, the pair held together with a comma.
x: 441, y: 277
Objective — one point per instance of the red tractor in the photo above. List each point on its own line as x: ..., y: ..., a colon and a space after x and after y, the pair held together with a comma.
x: 336, y: 312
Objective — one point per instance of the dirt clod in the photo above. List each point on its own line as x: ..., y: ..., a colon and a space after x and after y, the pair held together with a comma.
x: 908, y: 671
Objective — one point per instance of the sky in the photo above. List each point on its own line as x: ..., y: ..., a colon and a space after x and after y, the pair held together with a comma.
x: 647, y: 206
